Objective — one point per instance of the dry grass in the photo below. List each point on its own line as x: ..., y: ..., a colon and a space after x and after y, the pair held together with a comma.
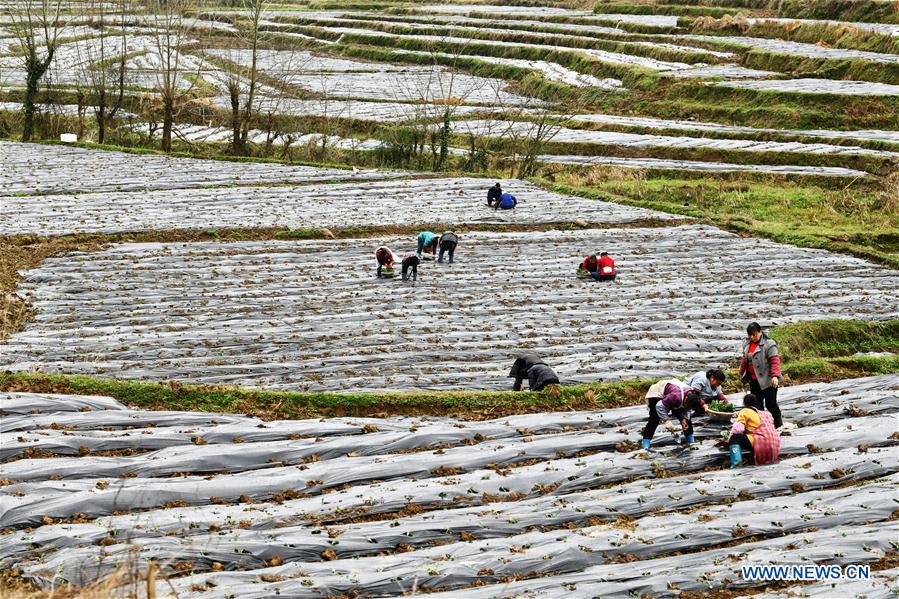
x: 127, y: 581
x: 738, y: 23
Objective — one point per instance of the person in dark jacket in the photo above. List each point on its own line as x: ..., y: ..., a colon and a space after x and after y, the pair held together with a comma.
x: 532, y: 367
x: 448, y: 243
x: 494, y: 194
x: 506, y: 202
x: 410, y: 262
x: 760, y: 368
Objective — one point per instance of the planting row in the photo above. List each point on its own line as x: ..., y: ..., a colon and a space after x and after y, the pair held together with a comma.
x: 312, y: 316
x: 296, y: 537
x: 387, y: 203
x: 41, y: 169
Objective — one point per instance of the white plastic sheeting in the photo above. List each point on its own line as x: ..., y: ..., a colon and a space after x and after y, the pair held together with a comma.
x: 310, y: 315
x: 42, y: 169
x: 355, y: 109
x: 440, y: 201
x: 204, y: 134
x: 698, y: 165
x: 815, y: 86
x: 534, y: 532
x: 651, y: 123
x: 461, y: 564
x: 779, y: 46
x: 527, y: 130
x: 552, y: 71
x: 698, y: 572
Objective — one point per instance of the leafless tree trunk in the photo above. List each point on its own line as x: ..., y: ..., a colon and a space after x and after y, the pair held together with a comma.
x: 167, y: 18
x: 103, y: 63
x: 37, y: 25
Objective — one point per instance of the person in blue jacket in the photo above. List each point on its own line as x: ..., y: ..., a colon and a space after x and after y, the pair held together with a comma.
x: 506, y: 202
x: 427, y: 242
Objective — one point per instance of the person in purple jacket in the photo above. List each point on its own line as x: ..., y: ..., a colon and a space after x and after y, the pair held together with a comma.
x: 670, y: 401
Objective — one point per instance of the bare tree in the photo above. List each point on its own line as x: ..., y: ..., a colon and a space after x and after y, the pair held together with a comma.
x: 103, y: 62
x: 173, y: 84
x: 435, y: 101
x: 37, y: 25
x: 242, y: 83
x: 528, y: 126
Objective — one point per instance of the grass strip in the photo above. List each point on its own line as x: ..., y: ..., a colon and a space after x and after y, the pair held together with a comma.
x: 814, y: 351
x: 860, y: 220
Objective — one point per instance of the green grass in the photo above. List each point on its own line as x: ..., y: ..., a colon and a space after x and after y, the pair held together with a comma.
x: 813, y: 351
x: 835, y: 338
x: 861, y: 219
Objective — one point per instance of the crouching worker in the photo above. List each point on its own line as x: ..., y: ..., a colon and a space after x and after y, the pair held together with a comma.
x: 532, y: 367
x: 753, y: 432
x: 669, y: 402
x: 506, y: 202
x: 589, y: 266
x: 448, y: 243
x: 385, y: 260
x: 427, y: 243
x: 605, y: 268
x: 410, y: 262
x: 494, y: 194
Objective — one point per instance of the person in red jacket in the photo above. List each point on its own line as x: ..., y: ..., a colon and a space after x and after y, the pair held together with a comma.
x: 605, y: 270
x: 385, y: 259
x: 590, y: 264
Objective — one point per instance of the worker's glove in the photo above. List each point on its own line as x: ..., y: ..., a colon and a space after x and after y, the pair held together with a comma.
x: 669, y: 426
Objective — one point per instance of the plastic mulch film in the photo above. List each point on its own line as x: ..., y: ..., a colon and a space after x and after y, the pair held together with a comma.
x: 198, y: 526
x: 522, y: 461
x: 533, y: 553
x: 883, y: 584
x: 406, y: 476
x: 451, y: 201
x: 695, y: 571
x: 40, y: 169
x: 292, y: 315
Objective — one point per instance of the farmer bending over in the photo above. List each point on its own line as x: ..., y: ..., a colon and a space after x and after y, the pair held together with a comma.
x: 494, y: 194
x: 669, y: 401
x: 590, y: 264
x: 385, y: 258
x: 427, y: 242
x: 410, y: 261
x: 532, y: 367
x: 753, y: 432
x: 708, y: 385
x: 448, y: 243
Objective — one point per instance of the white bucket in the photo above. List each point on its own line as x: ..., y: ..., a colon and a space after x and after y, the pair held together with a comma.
x: 68, y: 138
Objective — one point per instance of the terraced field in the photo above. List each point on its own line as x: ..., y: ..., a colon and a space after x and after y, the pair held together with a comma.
x: 526, y: 504
x: 415, y: 63
x: 311, y: 315
x: 716, y: 150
